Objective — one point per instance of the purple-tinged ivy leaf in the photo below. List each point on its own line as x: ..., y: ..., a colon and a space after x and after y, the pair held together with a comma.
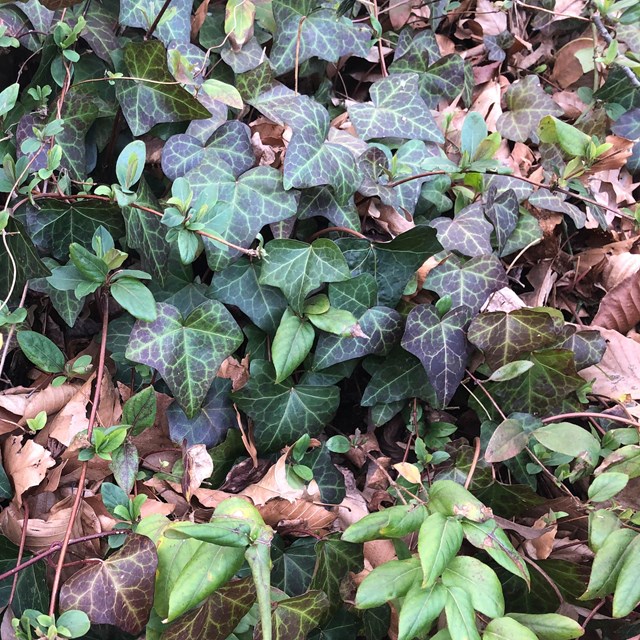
x: 175, y: 27
x: 56, y: 224
x: 249, y: 57
x: 527, y: 104
x: 503, y: 211
x: 187, y: 352
x: 382, y: 327
x: 544, y: 199
x: 415, y: 51
x: 628, y: 125
x: 502, y: 182
x: 396, y: 110
x: 100, y: 32
x: 469, y: 233
x: 321, y: 201
x: 443, y: 79
x: 281, y: 413
x: 204, y: 128
x: 210, y: 425
x: 17, y: 26
x: 116, y: 591
x: 239, y: 285
x: 294, y: 618
x: 306, y: 29
x: 468, y: 283
x: 309, y: 160
x: 146, y: 103
x: 244, y: 206
x: 261, y: 91
x: 588, y: 347
x: 504, y: 337
x: 219, y: 614
x: 231, y: 143
x: 441, y: 346
x: 527, y: 233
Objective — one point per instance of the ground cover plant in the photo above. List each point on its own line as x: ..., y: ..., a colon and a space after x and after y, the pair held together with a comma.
x: 318, y: 319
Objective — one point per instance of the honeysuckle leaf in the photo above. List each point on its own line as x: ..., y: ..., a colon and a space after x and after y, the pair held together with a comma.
x: 441, y: 346
x: 400, y: 376
x: 391, y: 263
x: 396, y: 110
x: 469, y: 233
x: 282, y: 413
x: 297, y: 268
x: 381, y: 327
x: 231, y: 144
x: 239, y: 285
x: 210, y: 424
x: 468, y: 283
x: 543, y: 388
x: 187, y: 352
x: 245, y: 204
x: 527, y: 104
x: 56, y: 224
x: 128, y: 576
x: 309, y: 160
x: 505, y: 336
x: 175, y: 27
x: 314, y: 30
x: 146, y: 103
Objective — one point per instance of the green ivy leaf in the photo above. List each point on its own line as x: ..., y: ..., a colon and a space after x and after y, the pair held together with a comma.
x: 319, y: 32
x: 139, y: 411
x: 146, y: 103
x: 297, y: 268
x: 469, y: 233
x: 381, y: 328
x: 291, y: 344
x: 282, y: 413
x: 356, y: 295
x: 322, y: 201
x: 329, y: 479
x: 396, y: 110
x: 607, y: 485
x: 506, y: 336
x: 128, y: 575
x: 187, y: 352
x: 527, y: 104
x: 294, y: 618
x: 468, y: 283
x: 441, y: 346
x: 293, y: 567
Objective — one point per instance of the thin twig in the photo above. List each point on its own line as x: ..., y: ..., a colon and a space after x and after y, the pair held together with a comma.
x: 12, y: 329
x: 296, y: 69
x: 154, y: 24
x: 83, y: 472
x: 23, y: 540
x: 322, y: 232
x: 591, y: 414
x: 383, y: 64
x: 546, y: 576
x: 474, y: 463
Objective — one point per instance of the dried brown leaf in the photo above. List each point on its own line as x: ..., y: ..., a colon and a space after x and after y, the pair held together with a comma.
x: 198, y: 466
x: 620, y: 308
x: 25, y: 463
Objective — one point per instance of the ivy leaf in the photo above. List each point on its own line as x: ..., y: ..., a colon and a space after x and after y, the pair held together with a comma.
x: 396, y: 110
x: 174, y: 27
x: 400, y: 376
x: 231, y: 143
x: 527, y: 104
x: 505, y: 336
x: 543, y: 388
x: 315, y: 31
x: 297, y: 268
x: 445, y: 78
x: 128, y: 576
x: 57, y: 224
x: 527, y: 232
x: 239, y: 285
x: 588, y: 348
x: 293, y: 567
x: 322, y: 201
x: 100, y: 31
x: 381, y: 327
x: 391, y: 263
x: 441, y: 346
x: 211, y: 423
x: 329, y: 479
x: 356, y: 295
x: 145, y: 103
x: 187, y: 352
x: 503, y: 212
x: 468, y: 233
x: 282, y: 413
x: 146, y: 233
x: 544, y: 199
x: 309, y: 160
x: 294, y: 618
x: 244, y: 206
x: 218, y: 616
x: 468, y: 283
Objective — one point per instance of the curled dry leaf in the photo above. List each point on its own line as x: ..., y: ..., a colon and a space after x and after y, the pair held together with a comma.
x: 25, y: 463
x: 237, y: 372
x: 300, y: 515
x: 198, y: 466
x: 540, y: 548
x: 620, y: 308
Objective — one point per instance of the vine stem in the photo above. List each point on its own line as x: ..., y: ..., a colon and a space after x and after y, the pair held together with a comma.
x: 92, y: 196
x: 12, y: 330
x: 155, y: 23
x: 55, y: 546
x: 83, y: 472
x: 322, y: 232
x: 591, y: 414
x: 383, y: 64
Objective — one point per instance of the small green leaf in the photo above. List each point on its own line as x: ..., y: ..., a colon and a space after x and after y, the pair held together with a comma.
x: 75, y: 622
x: 452, y: 499
x: 606, y: 486
x: 549, y: 626
x: 338, y: 444
x: 394, y: 522
x: 90, y: 266
x: 461, y: 619
x: 41, y: 351
x: 569, y: 439
x: 225, y: 93
x: 336, y: 321
x: 130, y: 164
x: 420, y: 609
x: 238, y: 21
x: 291, y: 344
x: 135, y: 297
x: 8, y: 98
x: 390, y: 580
x: 439, y: 541
x: 139, y: 411
x: 570, y: 139
x: 511, y: 370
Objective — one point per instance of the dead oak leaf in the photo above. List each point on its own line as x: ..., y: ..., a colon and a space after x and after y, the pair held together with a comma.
x: 26, y: 464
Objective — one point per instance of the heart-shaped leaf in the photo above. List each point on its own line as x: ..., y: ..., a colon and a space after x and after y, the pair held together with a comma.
x: 322, y: 201
x: 187, y: 352
x: 469, y: 233
x: 356, y: 295
x: 441, y: 346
